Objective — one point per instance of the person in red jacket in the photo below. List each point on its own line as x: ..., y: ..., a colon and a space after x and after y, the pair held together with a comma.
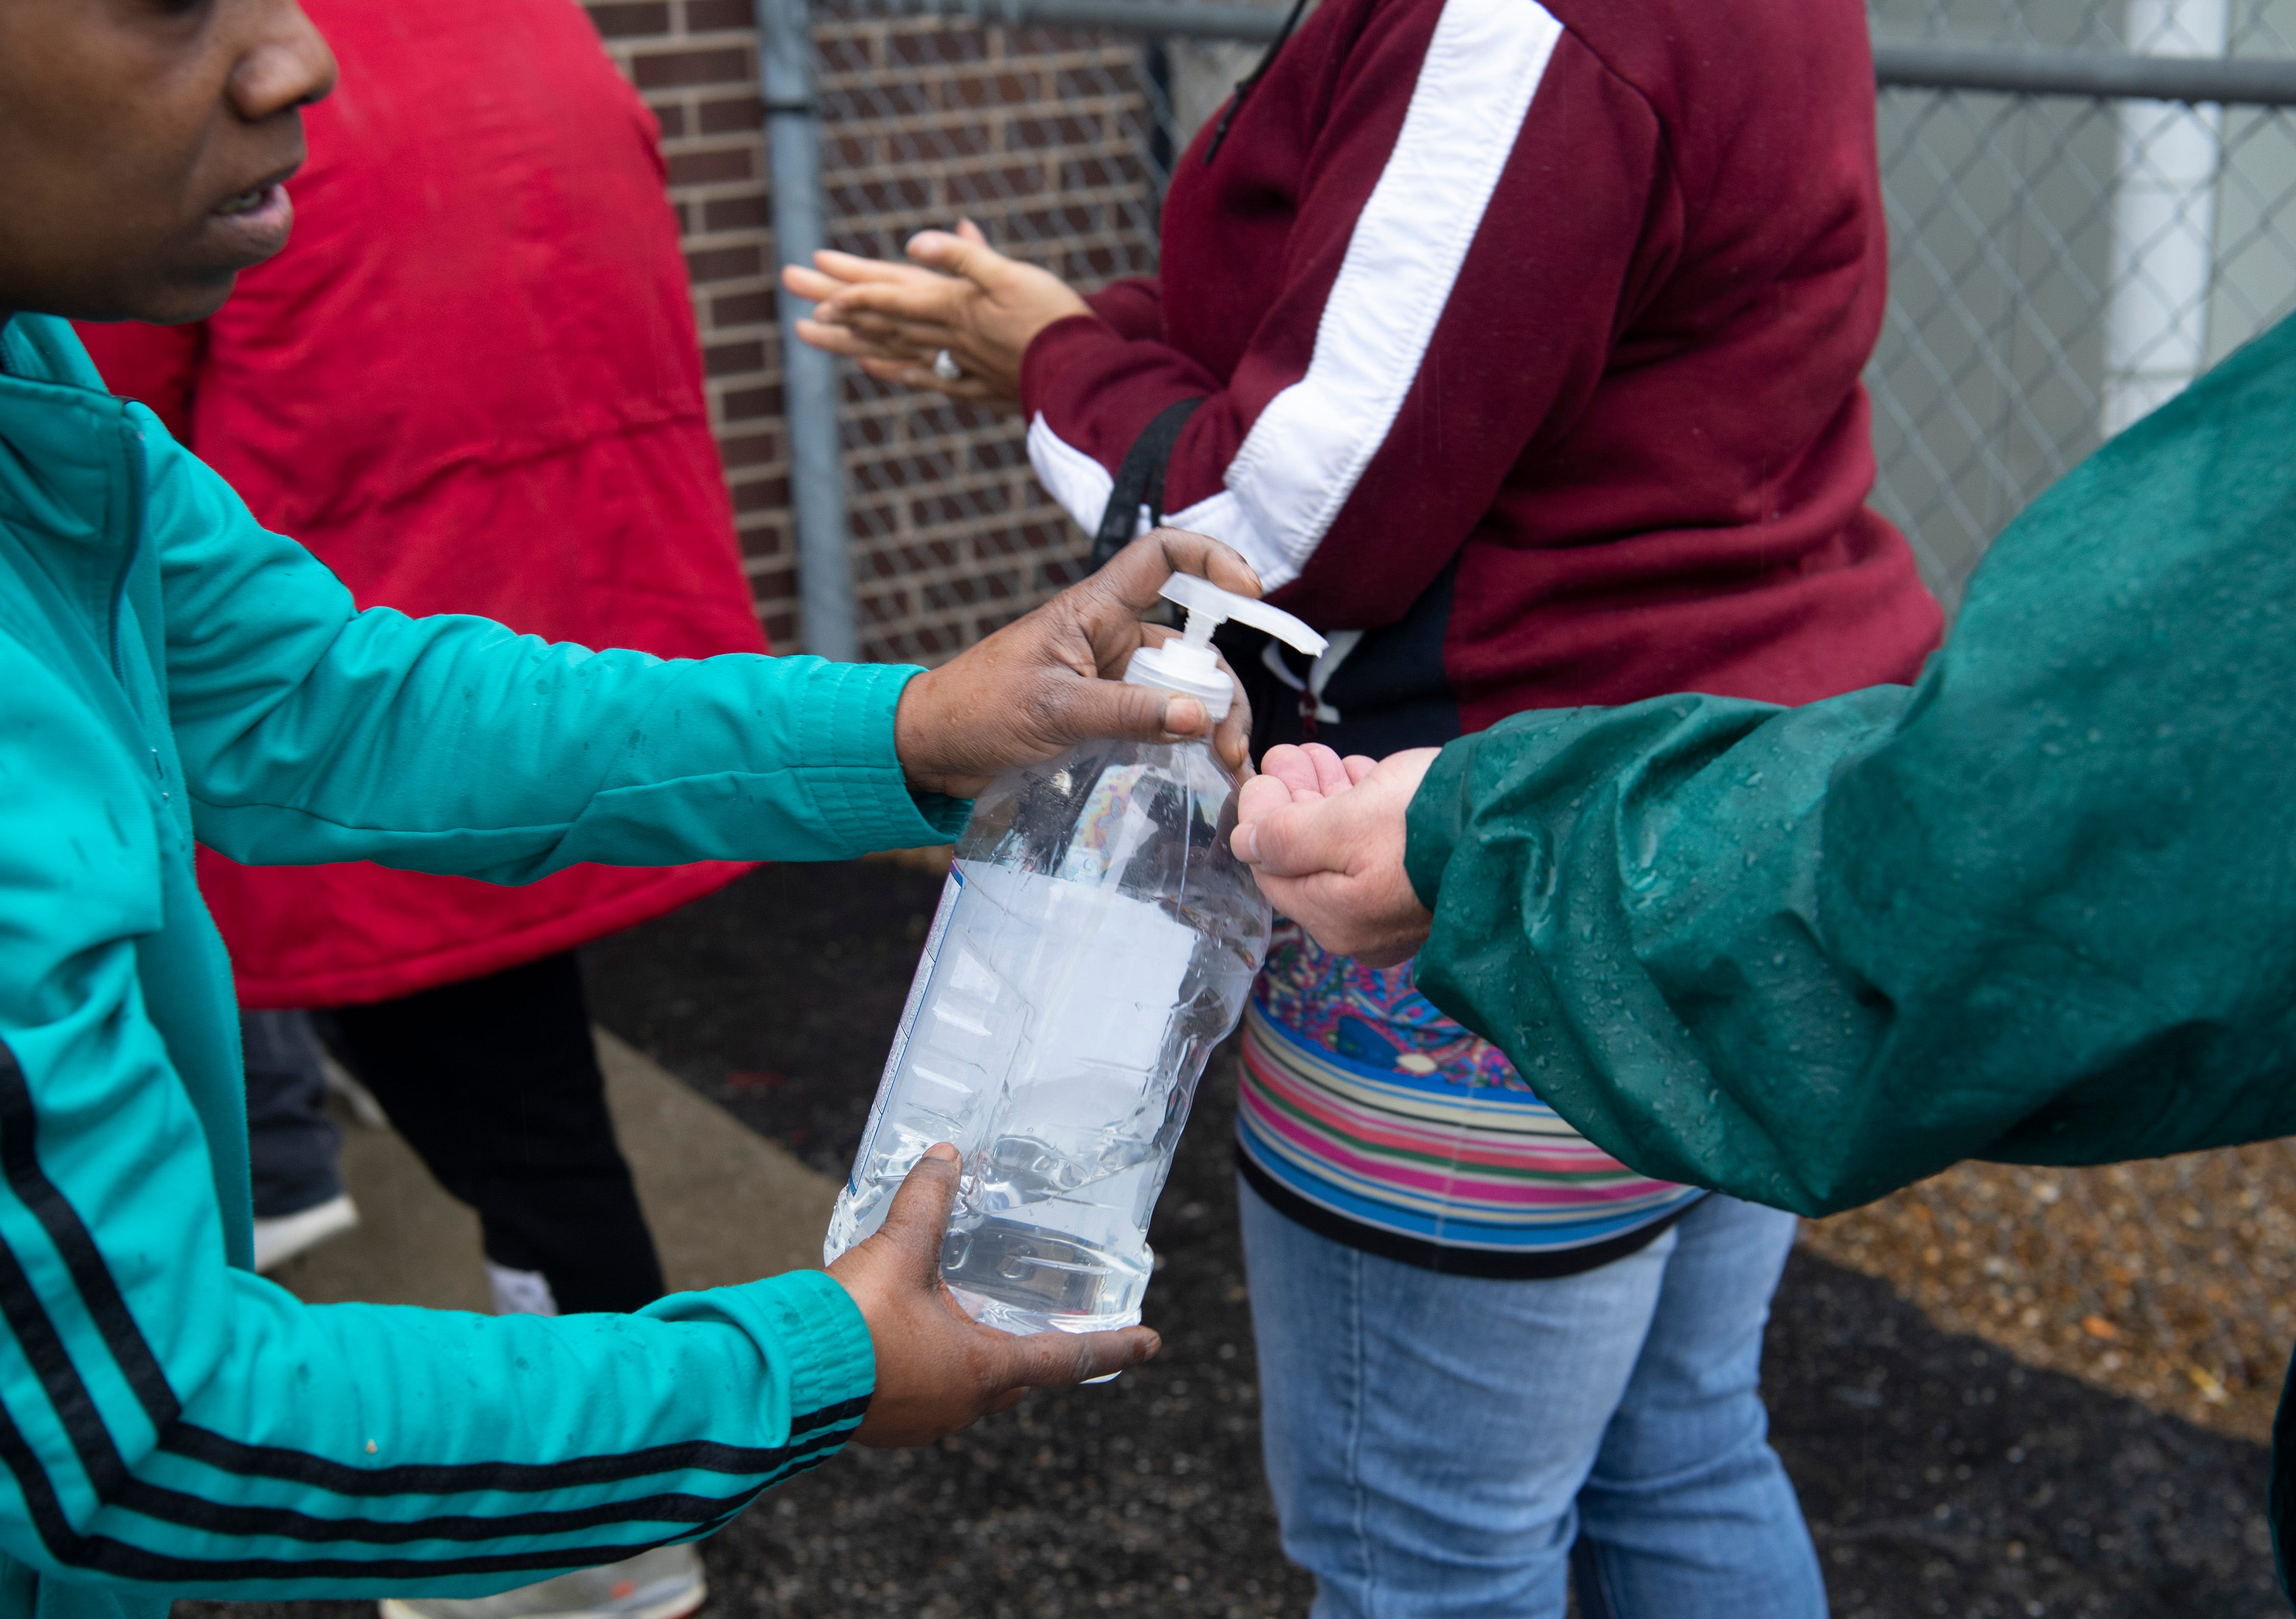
x: 481, y: 326
x: 1517, y: 346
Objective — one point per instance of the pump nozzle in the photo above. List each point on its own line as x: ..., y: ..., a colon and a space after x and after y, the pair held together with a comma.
x: 1189, y: 664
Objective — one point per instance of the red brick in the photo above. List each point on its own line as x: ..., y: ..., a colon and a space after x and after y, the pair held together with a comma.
x: 1129, y: 173
x: 881, y: 197
x: 723, y: 263
x: 741, y: 310
x: 732, y: 360
x: 845, y: 54
x: 750, y: 404
x: 730, y: 114
x: 936, y: 47
x: 1058, y: 536
x: 968, y: 506
x: 1034, y: 132
x: 989, y: 90
x: 671, y: 117
x: 764, y: 495
x: 712, y: 167
x: 1053, y: 578
x: 628, y: 19
x: 715, y: 16
x: 877, y: 101
x: 1072, y: 220
x: 872, y: 521
x: 752, y: 450
x: 938, y: 145
x: 1100, y: 80
x: 676, y: 69
x: 736, y: 213
x: 1013, y: 180
x: 999, y: 455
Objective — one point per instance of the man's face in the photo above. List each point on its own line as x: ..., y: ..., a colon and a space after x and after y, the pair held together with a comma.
x: 144, y: 145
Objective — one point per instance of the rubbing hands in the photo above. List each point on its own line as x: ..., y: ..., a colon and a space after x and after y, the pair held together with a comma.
x: 1324, y: 838
x: 960, y: 295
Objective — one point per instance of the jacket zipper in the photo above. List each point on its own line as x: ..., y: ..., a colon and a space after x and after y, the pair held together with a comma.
x: 131, y: 443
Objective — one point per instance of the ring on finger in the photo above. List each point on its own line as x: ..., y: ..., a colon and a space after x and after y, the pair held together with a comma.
x: 944, y: 367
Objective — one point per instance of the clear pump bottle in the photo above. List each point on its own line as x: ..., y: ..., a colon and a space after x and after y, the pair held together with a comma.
x: 1095, y: 940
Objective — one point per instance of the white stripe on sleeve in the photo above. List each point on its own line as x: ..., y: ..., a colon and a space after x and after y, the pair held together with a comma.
x: 1078, y: 482
x: 1303, y: 456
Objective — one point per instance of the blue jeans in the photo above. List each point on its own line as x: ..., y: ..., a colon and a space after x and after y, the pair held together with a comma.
x: 1438, y: 1445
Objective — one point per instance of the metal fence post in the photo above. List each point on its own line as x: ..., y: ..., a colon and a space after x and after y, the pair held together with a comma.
x: 810, y: 390
x: 2164, y: 223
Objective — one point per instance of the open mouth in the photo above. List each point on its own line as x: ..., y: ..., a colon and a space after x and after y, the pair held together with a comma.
x: 244, y: 203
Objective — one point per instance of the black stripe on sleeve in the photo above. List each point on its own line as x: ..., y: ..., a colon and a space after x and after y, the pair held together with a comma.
x: 61, y: 1382
x: 296, y: 1466
x: 99, y: 1294
x: 810, y: 1440
x: 105, y: 1554
x: 195, y: 1512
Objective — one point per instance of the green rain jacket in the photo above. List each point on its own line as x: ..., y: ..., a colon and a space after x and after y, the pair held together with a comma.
x: 2039, y: 908
x: 169, y: 1422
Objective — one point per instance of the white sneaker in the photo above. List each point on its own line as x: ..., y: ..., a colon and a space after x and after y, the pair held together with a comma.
x: 663, y: 1583
x: 277, y: 1241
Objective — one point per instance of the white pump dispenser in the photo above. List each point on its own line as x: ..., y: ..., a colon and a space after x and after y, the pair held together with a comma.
x: 1188, y: 664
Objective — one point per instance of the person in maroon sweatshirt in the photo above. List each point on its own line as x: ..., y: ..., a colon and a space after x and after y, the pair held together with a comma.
x: 1517, y: 347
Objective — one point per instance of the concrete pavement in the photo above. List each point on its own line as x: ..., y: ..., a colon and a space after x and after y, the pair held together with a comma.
x: 726, y: 1205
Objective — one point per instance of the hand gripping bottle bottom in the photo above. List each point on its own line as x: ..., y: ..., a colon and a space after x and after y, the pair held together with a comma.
x: 1095, y: 940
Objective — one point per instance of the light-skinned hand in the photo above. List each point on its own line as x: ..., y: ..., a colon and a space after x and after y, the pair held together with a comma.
x: 1323, y: 836
x: 1051, y: 679
x: 960, y: 294
x: 937, y: 1368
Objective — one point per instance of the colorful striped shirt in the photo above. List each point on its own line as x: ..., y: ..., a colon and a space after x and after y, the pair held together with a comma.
x: 1368, y: 1115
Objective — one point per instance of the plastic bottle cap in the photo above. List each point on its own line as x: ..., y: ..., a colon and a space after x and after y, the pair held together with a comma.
x: 1187, y: 664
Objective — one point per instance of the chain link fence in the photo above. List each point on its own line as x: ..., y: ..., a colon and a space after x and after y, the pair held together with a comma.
x: 2060, y: 264
x: 1054, y: 144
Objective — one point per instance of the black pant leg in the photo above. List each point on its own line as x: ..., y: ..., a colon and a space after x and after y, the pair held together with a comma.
x: 495, y: 1084
x: 291, y: 1143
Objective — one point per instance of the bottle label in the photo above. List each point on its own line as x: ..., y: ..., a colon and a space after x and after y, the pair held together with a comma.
x: 949, y: 891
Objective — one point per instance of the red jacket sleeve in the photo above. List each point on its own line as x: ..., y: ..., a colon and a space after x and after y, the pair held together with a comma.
x: 155, y: 366
x: 1133, y: 306
x: 1449, y: 298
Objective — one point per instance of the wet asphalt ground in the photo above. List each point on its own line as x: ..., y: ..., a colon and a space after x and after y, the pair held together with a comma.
x: 1938, y: 1476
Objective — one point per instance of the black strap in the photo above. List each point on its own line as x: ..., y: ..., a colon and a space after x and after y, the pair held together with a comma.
x: 1140, y: 482
x: 1250, y: 82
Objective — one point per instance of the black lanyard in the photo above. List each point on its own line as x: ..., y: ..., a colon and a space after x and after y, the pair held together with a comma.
x: 1245, y: 86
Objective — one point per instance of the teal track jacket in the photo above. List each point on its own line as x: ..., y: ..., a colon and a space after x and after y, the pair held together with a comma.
x: 170, y: 1424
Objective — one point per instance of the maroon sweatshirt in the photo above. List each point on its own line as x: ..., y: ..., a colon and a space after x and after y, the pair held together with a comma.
x: 1528, y: 342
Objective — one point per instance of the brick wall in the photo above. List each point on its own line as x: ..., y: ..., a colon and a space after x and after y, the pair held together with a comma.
x: 695, y: 63
x: 1038, y: 136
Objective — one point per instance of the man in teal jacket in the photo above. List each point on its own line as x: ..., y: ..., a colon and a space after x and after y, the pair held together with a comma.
x: 169, y: 1422
x: 2039, y: 908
